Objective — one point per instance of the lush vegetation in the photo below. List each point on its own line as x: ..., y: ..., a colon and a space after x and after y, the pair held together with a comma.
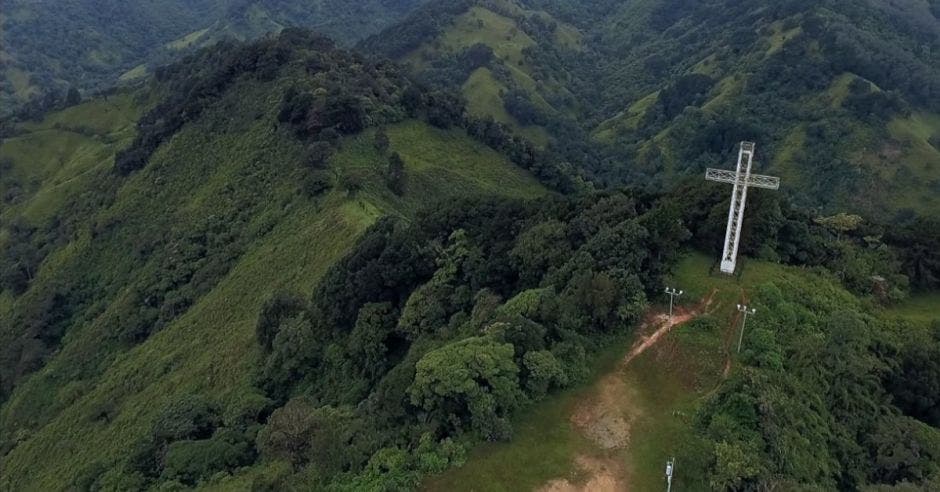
x: 823, y: 394
x: 179, y: 255
x: 839, y: 95
x: 49, y: 47
x: 431, y: 335
x: 505, y: 58
x: 771, y: 416
x: 824, y: 397
x: 283, y: 265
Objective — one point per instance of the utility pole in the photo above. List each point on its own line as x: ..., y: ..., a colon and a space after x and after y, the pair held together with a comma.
x: 670, y: 466
x: 746, y: 312
x: 673, y: 293
x: 741, y: 178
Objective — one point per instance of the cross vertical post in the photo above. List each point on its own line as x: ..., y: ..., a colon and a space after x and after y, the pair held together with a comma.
x: 736, y: 212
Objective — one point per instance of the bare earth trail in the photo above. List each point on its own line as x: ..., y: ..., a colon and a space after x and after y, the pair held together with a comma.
x: 609, y: 411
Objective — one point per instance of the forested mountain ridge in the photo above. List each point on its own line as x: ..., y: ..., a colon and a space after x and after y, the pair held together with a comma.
x: 282, y: 265
x: 142, y: 232
x: 48, y: 46
x: 841, y: 96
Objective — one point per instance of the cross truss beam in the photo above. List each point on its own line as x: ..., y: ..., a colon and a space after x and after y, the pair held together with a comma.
x: 755, y: 180
x: 742, y: 179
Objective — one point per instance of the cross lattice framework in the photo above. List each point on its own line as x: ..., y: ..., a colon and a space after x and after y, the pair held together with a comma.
x: 742, y: 179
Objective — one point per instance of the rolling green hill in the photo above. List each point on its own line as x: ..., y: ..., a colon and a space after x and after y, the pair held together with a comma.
x: 49, y: 46
x: 841, y: 96
x: 282, y: 265
x: 494, y: 51
x: 815, y: 85
x: 148, y: 287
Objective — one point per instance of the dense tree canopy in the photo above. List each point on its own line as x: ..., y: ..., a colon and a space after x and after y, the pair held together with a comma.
x: 439, y: 322
x: 86, y: 44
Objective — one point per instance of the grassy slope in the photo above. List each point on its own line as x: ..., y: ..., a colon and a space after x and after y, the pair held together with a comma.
x: 915, y: 175
x: 210, y: 349
x: 56, y: 156
x: 55, y: 161
x: 628, y: 120
x: 921, y: 309
x: 667, y: 383
x: 541, y: 448
x: 905, y: 164
x: 20, y: 81
x: 905, y: 168
x: 187, y: 40
x: 508, y: 40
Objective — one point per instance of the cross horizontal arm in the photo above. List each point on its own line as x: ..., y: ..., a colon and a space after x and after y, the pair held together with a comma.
x: 755, y: 180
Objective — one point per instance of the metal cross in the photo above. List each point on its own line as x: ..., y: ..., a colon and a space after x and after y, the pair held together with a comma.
x: 742, y: 179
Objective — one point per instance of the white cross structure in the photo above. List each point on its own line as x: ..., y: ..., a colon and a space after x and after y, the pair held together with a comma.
x: 742, y: 179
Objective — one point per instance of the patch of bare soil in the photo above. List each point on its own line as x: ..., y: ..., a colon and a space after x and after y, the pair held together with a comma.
x: 607, y: 414
x: 605, y: 475
x: 606, y: 417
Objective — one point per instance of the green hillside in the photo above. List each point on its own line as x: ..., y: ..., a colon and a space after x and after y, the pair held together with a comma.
x: 49, y: 46
x: 490, y: 50
x: 178, y: 258
x: 828, y: 118
x: 55, y: 159
x: 840, y: 96
x: 765, y: 416
x: 438, y: 261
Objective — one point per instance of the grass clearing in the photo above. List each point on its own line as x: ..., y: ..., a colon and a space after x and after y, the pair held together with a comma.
x: 839, y: 90
x: 484, y: 90
x: 20, y: 80
x: 439, y: 164
x: 544, y: 441
x: 780, y: 38
x: 664, y: 429
x: 785, y: 162
x: 914, y: 175
x: 138, y: 72
x: 629, y: 120
x: 724, y: 91
x: 923, y: 308
x: 187, y: 40
x: 662, y: 388
x: 479, y: 25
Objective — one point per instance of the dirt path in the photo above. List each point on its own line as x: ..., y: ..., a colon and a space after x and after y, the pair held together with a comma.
x: 664, y: 325
x: 609, y: 411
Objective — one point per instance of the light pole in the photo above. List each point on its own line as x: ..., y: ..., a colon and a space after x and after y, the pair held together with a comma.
x: 670, y: 466
x: 673, y: 293
x: 746, y: 312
